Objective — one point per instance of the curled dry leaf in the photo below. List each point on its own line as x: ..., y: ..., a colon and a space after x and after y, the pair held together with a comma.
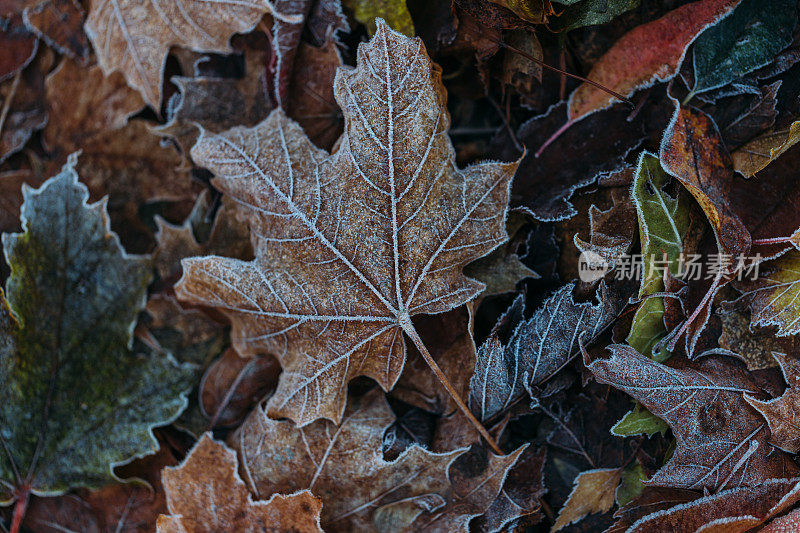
x: 360, y: 491
x: 134, y: 37
x: 761, y: 151
x: 73, y: 297
x: 350, y: 245
x: 721, y: 441
x: 59, y: 23
x: 205, y: 493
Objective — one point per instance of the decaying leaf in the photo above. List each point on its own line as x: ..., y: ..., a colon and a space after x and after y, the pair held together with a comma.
x: 648, y: 53
x: 591, y: 12
x: 746, y: 40
x: 593, y: 493
x: 350, y: 245
x: 59, y: 23
x: 26, y: 111
x: 761, y: 151
x: 17, y: 45
x: 610, y: 231
x: 536, y: 348
x: 205, y: 493
x: 87, y: 402
x: 775, y: 295
x: 721, y: 441
x: 781, y: 412
x: 394, y: 12
x: 360, y: 491
x: 134, y: 37
x: 731, y: 511
x: 753, y: 345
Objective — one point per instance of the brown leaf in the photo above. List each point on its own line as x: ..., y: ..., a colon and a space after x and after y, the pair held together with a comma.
x: 349, y: 246
x: 648, y: 53
x: 754, y: 345
x: 17, y: 45
x: 59, y: 23
x: 205, y: 493
x: 721, y: 441
x: 134, y: 37
x: 310, y: 100
x: 731, y: 511
x: 781, y: 412
x: 611, y: 231
x: 650, y: 501
x: 360, y: 491
x: 593, y: 493
x: 25, y: 95
x: 693, y: 151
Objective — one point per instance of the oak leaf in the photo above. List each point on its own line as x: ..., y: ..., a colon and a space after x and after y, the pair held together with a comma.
x: 205, y: 493
x: 78, y: 401
x: 721, y: 441
x: 134, y: 37
x: 349, y: 245
x: 360, y: 491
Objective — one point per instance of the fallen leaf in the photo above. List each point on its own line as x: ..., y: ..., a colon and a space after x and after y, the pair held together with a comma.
x: 647, y: 54
x: 360, y: 491
x: 693, y: 151
x: 753, y: 345
x: 592, y: 12
x: 775, y: 295
x: 134, y: 37
x: 205, y: 493
x: 59, y: 23
x: 536, y: 348
x: 349, y: 246
x: 651, y: 501
x: 780, y: 412
x: 748, y: 123
x: 394, y: 12
x: 73, y: 297
x: 593, y: 493
x: 738, y: 44
x: 17, y: 45
x: 27, y: 111
x: 610, y: 231
x: 639, y: 421
x: 762, y: 151
x: 631, y: 484
x: 533, y: 12
x: 731, y: 511
x: 663, y: 222
x: 721, y: 441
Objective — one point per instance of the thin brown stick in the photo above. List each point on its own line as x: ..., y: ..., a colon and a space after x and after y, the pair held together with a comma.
x: 563, y: 72
x: 9, y: 99
x: 409, y: 329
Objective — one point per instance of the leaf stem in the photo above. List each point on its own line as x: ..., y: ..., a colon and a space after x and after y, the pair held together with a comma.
x: 23, y: 495
x: 409, y: 329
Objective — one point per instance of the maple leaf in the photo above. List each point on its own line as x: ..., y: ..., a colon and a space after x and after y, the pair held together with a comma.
x: 360, y: 491
x: 78, y: 402
x: 536, y: 348
x: 134, y: 37
x: 721, y: 441
x: 205, y: 493
x: 780, y: 412
x: 775, y: 295
x: 350, y: 245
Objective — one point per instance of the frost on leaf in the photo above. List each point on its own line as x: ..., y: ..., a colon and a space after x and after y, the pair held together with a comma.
x: 775, y: 295
x: 781, y: 413
x: 360, y: 491
x: 349, y: 245
x: 721, y: 440
x: 536, y: 349
x: 77, y: 401
x: 134, y: 37
x: 205, y: 493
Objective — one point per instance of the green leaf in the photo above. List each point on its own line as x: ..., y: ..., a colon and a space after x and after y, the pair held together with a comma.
x: 663, y: 221
x: 394, y: 12
x: 631, y: 485
x: 747, y: 39
x: 76, y: 400
x: 639, y: 421
x: 592, y: 12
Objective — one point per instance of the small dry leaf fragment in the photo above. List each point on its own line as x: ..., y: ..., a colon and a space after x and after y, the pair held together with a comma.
x: 134, y: 37
x: 781, y: 413
x: 26, y: 112
x: 721, y: 441
x: 611, y: 231
x: 753, y: 345
x: 205, y: 493
x: 648, y: 53
x: 360, y: 491
x: 731, y: 511
x: 349, y: 245
x: 593, y: 493
x: 17, y: 45
x: 763, y: 150
x: 59, y: 23
x: 775, y: 295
